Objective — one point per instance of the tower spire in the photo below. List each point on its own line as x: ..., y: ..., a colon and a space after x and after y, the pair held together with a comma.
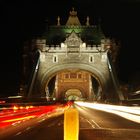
x: 87, y: 22
x: 58, y: 21
x: 73, y: 19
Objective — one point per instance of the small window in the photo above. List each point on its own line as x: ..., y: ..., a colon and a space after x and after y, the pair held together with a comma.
x: 66, y: 76
x: 91, y: 58
x: 73, y: 75
x: 79, y: 76
x: 55, y: 58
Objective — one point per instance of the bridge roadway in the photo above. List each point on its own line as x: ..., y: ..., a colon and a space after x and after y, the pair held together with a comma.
x: 93, y: 125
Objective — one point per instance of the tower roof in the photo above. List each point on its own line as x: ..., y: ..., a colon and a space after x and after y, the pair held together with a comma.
x: 73, y: 19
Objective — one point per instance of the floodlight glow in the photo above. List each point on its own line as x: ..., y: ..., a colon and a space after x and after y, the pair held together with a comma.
x: 62, y: 45
x: 84, y: 44
x: 42, y: 57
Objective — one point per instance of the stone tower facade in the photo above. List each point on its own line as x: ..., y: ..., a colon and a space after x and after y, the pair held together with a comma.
x: 74, y: 47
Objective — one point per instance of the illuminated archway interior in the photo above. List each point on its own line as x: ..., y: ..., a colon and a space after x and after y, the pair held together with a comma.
x: 74, y: 84
x: 73, y: 94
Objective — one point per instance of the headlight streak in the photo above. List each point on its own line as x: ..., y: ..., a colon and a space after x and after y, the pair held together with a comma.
x: 130, y: 113
x: 84, y: 111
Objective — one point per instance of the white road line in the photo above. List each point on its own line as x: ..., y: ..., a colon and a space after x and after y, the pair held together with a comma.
x: 28, y: 128
x: 18, y: 133
x: 90, y: 123
x: 95, y: 123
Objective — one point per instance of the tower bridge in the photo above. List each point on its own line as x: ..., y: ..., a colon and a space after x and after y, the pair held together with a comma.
x: 73, y: 61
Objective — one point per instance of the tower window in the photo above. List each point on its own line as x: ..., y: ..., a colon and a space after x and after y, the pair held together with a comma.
x: 55, y: 58
x: 91, y: 58
x: 66, y: 75
x: 79, y: 76
x: 73, y: 75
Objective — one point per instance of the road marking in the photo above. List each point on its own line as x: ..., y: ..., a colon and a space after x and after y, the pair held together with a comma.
x: 90, y: 123
x: 28, y: 128
x: 18, y: 133
x: 95, y: 123
x: 71, y: 124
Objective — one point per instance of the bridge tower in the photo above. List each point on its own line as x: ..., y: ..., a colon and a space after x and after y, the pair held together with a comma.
x: 74, y: 60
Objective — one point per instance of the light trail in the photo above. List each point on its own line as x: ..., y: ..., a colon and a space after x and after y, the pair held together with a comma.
x: 20, y: 114
x: 130, y: 113
x: 19, y: 119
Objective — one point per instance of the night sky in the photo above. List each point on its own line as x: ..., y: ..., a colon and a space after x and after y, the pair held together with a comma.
x: 21, y: 19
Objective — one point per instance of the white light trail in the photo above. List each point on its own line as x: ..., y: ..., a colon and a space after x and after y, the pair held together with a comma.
x: 130, y: 113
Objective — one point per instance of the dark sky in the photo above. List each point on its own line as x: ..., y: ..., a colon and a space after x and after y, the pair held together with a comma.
x: 22, y: 19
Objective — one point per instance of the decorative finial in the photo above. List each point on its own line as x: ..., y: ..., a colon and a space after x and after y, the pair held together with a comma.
x: 58, y: 21
x: 87, y: 22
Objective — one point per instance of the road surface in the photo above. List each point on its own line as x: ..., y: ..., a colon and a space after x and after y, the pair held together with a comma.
x: 93, y: 125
